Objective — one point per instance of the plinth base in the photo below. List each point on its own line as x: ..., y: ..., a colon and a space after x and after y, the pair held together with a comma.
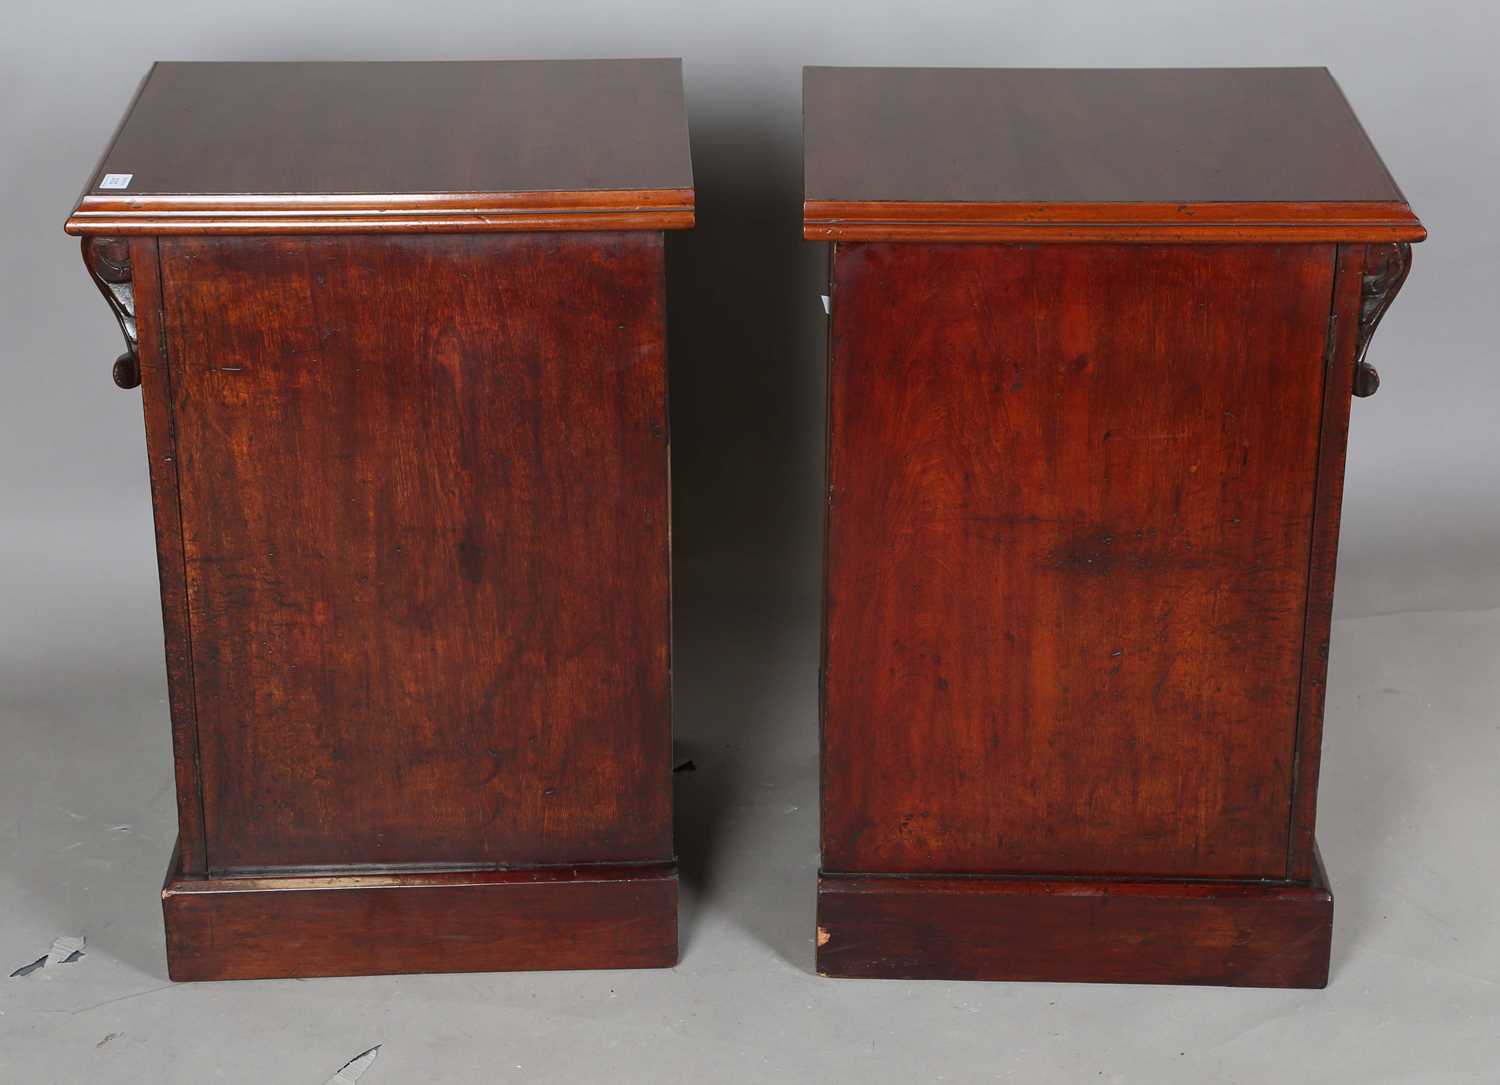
x: 473, y: 921
x: 1250, y: 934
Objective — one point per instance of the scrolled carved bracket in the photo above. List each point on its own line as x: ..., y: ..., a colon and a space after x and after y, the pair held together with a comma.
x: 1385, y: 270
x: 108, y: 261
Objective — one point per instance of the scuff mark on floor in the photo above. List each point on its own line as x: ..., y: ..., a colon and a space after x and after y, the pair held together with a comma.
x: 28, y: 969
x: 355, y: 1068
x: 123, y: 998
x: 65, y: 950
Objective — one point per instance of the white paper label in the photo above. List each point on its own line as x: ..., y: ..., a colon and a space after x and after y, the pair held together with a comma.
x: 827, y: 305
x: 116, y: 180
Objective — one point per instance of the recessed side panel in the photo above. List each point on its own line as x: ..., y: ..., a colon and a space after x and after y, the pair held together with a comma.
x: 1347, y: 329
x: 143, y: 275
x: 1070, y: 503
x: 424, y: 505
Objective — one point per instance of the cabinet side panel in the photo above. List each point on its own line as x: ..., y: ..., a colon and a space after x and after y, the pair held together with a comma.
x: 1343, y: 330
x: 1070, y: 506
x: 161, y: 452
x: 424, y: 492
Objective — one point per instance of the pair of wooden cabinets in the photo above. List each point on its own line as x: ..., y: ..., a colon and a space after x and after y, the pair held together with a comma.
x: 399, y: 330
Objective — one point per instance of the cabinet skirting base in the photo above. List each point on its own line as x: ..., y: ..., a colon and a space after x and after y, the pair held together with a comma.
x: 362, y: 924
x: 1251, y: 934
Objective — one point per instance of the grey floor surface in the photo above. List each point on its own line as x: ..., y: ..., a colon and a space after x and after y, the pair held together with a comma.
x: 1407, y: 823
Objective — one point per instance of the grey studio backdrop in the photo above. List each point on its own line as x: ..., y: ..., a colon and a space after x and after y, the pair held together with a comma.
x: 1408, y: 802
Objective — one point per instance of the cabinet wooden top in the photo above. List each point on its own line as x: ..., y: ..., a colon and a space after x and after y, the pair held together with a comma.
x: 398, y: 147
x: 1191, y: 154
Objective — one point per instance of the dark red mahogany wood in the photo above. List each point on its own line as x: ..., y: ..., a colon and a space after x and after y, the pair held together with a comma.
x: 1094, y: 564
x: 426, y: 561
x: 455, y: 921
x: 401, y: 147
x: 1229, y: 933
x: 1082, y: 514
x: 1035, y: 154
x: 412, y: 511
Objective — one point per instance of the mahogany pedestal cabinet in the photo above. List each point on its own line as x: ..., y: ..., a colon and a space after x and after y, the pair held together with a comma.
x: 1094, y: 336
x: 398, y: 329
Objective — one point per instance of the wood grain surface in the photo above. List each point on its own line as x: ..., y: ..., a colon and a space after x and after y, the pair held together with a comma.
x: 1161, y: 155
x: 1070, y: 512
x: 161, y: 457
x: 1333, y: 446
x: 352, y: 925
x: 474, y: 146
x: 424, y: 522
x: 1075, y: 931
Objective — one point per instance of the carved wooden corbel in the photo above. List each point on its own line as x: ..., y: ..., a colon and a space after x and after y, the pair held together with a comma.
x: 108, y: 261
x: 1385, y: 270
